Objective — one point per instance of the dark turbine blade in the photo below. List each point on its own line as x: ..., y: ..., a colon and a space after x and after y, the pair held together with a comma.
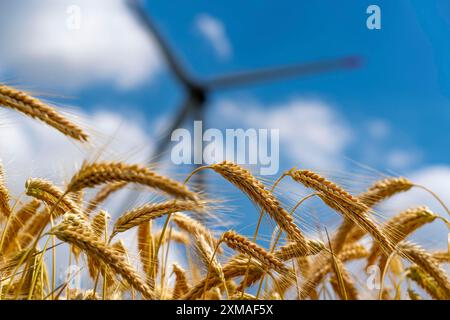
x: 145, y: 20
x: 183, y: 113
x: 186, y: 110
x: 271, y: 74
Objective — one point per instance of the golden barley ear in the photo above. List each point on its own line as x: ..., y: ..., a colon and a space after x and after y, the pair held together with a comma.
x: 99, y: 224
x: 152, y: 211
x: 146, y: 248
x: 5, y: 209
x: 348, y: 231
x: 413, y: 295
x: 193, y: 226
x: 17, y: 222
x: 255, y: 272
x: 51, y: 195
x: 384, y: 189
x: 426, y: 282
x: 181, y: 282
x: 34, y: 108
x: 99, y: 229
x: 427, y: 263
x: 31, y: 230
x: 258, y: 193
x: 208, y: 256
x: 293, y: 250
x: 245, y: 246
x: 442, y: 256
x: 243, y: 296
x: 324, y: 266
x: 236, y: 267
x: 399, y: 227
x: 347, y: 290
x: 73, y: 230
x: 93, y: 174
x: 349, y: 206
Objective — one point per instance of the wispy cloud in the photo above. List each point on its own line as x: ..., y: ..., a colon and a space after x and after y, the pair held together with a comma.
x: 214, y: 31
x: 311, y: 132
x: 378, y: 129
x: 75, y: 43
x: 401, y: 159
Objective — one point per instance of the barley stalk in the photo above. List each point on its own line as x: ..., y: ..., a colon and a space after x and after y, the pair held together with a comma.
x: 245, y: 296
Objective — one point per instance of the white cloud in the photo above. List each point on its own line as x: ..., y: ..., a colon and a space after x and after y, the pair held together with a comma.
x: 311, y: 132
x: 40, y: 43
x: 214, y: 31
x: 400, y: 159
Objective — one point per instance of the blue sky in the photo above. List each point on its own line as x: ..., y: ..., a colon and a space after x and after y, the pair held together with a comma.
x: 391, y: 114
x: 404, y: 78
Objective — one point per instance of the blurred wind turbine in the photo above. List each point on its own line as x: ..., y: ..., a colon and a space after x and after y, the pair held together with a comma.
x: 198, y: 91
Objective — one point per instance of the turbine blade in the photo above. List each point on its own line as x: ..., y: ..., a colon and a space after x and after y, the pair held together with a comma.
x: 199, y: 179
x: 153, y: 32
x: 271, y: 74
x: 184, y: 112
